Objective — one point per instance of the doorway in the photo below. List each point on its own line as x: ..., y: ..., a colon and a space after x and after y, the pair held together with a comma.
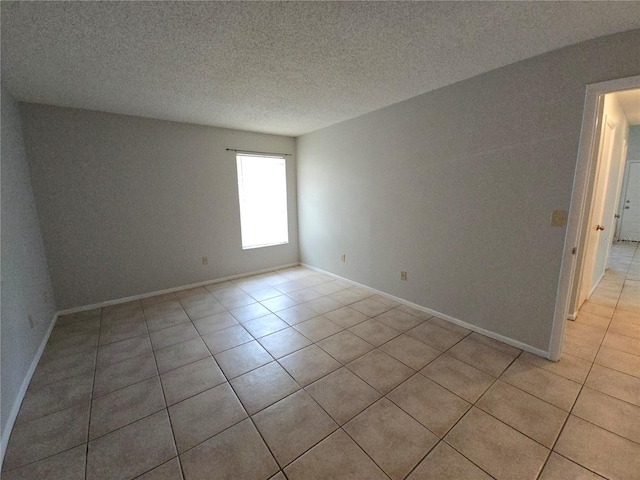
x: 595, y: 204
x: 629, y: 212
x: 598, y: 238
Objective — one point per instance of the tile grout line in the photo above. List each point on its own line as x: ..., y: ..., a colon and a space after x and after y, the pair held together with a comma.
x: 568, y: 459
x: 340, y: 427
x: 164, y: 397
x: 93, y: 386
x: 78, y: 402
x: 472, y: 405
x: 250, y: 418
x: 91, y: 401
x: 440, y: 439
x: 416, y: 372
x: 580, y: 393
x: 342, y: 365
x: 47, y: 457
x: 231, y: 386
x: 593, y: 363
x: 152, y: 413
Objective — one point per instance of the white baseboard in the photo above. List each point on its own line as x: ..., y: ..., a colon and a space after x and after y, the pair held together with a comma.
x: 456, y: 321
x: 15, y: 408
x: 173, y: 289
x: 595, y: 285
x: 572, y: 316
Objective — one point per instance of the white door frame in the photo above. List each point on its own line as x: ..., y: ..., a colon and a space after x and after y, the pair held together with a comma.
x: 594, y: 212
x: 620, y: 188
x: 623, y: 191
x: 616, y: 199
x: 579, y: 209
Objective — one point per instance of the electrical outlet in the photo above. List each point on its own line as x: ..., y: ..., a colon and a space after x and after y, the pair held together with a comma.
x: 343, y: 258
x: 30, y: 321
x: 403, y: 276
x: 205, y: 260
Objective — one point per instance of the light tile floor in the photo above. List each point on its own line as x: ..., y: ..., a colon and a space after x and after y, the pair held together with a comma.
x: 293, y: 374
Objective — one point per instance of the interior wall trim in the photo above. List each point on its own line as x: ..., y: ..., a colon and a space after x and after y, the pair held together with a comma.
x: 456, y: 321
x: 173, y: 289
x: 578, y: 210
x: 15, y: 408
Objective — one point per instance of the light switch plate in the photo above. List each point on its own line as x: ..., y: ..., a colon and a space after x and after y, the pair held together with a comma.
x: 559, y: 218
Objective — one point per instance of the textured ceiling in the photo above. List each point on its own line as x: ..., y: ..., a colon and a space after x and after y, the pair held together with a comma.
x: 276, y: 67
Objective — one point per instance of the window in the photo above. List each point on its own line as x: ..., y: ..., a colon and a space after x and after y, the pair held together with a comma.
x: 262, y: 188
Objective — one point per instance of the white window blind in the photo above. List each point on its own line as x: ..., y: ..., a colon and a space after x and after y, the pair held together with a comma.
x: 262, y: 189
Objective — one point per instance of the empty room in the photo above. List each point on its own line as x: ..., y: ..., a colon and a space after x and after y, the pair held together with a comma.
x: 320, y: 240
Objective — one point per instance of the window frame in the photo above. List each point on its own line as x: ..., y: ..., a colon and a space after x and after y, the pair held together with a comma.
x: 242, y: 199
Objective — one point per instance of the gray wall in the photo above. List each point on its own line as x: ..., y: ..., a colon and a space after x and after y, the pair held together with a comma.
x: 457, y: 187
x: 633, y: 155
x: 25, y: 277
x: 633, y: 149
x: 129, y: 205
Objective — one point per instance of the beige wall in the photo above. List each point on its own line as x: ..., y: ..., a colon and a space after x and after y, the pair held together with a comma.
x: 457, y: 187
x: 129, y: 205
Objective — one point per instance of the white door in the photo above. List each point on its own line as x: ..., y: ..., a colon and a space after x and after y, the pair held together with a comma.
x: 619, y: 189
x: 595, y: 254
x: 630, y: 221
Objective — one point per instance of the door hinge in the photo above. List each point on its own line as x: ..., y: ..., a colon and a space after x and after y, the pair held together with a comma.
x: 574, y: 250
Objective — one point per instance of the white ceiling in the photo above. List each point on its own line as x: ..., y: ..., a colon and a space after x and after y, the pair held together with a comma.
x: 276, y: 67
x: 630, y: 102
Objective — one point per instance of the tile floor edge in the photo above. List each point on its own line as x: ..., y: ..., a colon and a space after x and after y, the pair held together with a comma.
x: 173, y: 289
x: 17, y: 403
x: 444, y: 316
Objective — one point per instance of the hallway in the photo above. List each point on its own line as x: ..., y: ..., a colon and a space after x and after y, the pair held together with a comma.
x: 611, y: 316
x: 606, y: 332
